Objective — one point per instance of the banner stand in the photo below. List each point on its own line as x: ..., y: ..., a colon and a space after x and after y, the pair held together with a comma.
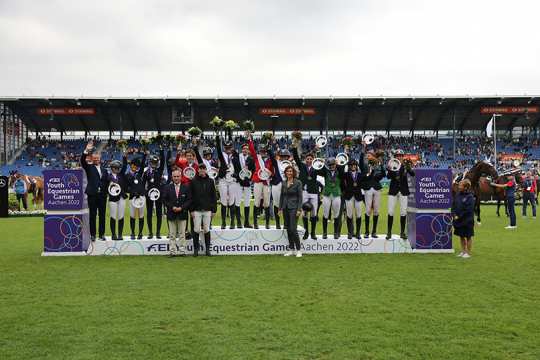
x: 66, y: 224
x: 429, y: 220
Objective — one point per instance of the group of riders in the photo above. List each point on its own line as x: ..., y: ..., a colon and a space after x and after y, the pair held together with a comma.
x: 344, y: 186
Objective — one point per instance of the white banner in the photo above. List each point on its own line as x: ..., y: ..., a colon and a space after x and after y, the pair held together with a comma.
x: 255, y: 242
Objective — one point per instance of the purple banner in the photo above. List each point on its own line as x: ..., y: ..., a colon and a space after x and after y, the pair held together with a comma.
x: 64, y: 189
x: 430, y: 231
x: 433, y: 189
x: 66, y: 233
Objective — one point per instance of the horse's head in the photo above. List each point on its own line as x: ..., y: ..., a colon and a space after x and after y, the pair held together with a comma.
x: 483, y: 168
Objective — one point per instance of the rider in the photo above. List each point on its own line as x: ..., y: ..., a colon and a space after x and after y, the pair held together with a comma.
x: 398, y: 192
x: 117, y: 203
x: 136, y: 189
x: 153, y: 179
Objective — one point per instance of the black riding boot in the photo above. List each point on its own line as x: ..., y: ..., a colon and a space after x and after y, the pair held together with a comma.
x: 358, y: 228
x: 403, y: 222
x: 195, y: 244
x: 150, y: 224
x: 132, y: 227
x: 366, y: 221
x: 375, y: 221
x: 337, y: 227
x: 267, y: 217
x: 255, y: 217
x: 189, y: 228
x: 113, y: 228
x: 324, y: 228
x: 158, y: 225
x: 223, y: 216
x: 120, y: 229
x: 246, y: 217
x: 238, y: 216
x: 306, y: 227
x: 207, y: 243
x: 141, y: 227
x: 313, y: 227
x: 231, y: 214
x: 276, y: 211
x: 350, y: 230
x: 389, y: 232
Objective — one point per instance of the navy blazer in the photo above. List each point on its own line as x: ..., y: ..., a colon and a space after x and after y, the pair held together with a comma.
x: 97, y: 185
x: 183, y: 200
x: 463, y: 208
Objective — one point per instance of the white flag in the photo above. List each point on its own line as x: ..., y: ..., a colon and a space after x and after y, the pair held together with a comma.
x: 489, y: 128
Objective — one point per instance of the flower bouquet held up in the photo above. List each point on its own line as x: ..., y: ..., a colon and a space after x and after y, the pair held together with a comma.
x: 122, y: 144
x: 229, y: 126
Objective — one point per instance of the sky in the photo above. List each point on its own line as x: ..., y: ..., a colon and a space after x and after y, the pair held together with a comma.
x: 264, y: 48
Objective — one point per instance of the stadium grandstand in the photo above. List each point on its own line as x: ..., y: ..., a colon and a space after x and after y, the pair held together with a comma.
x: 445, y: 132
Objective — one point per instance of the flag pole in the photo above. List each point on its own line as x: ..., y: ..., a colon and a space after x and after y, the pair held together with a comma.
x: 495, y: 138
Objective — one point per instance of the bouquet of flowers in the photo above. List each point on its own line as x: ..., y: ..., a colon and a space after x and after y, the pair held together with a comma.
x: 168, y: 139
x: 122, y: 144
x: 267, y: 137
x: 296, y: 135
x: 145, y: 142
x: 194, y: 131
x: 230, y: 125
x: 216, y: 123
x: 347, y: 141
x: 248, y: 125
x: 181, y: 139
x: 158, y: 139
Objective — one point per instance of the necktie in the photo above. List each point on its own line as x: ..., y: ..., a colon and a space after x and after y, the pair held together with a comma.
x: 176, y: 188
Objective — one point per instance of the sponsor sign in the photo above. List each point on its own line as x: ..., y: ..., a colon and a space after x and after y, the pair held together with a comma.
x: 490, y: 110
x: 66, y: 111
x: 287, y: 111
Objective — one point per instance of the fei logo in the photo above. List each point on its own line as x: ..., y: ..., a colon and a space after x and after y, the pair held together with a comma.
x: 70, y: 180
x: 441, y: 179
x: 2, y: 182
x: 158, y: 247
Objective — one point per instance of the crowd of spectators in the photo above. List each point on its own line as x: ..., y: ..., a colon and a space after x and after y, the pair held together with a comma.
x: 438, y: 153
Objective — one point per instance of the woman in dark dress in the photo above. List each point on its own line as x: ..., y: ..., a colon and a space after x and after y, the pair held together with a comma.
x: 463, y: 215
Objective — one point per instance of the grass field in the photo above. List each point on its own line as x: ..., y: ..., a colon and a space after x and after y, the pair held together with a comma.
x: 408, y: 306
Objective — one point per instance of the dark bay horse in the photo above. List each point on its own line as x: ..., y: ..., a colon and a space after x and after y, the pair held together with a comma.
x: 480, y: 184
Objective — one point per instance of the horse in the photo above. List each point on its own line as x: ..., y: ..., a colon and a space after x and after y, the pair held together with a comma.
x: 34, y: 186
x: 480, y: 184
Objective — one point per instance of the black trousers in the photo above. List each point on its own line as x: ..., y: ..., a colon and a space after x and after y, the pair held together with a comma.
x: 150, y: 212
x: 290, y: 221
x: 97, y: 206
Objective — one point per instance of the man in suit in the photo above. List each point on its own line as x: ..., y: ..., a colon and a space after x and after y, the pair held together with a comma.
x: 177, y: 199
x: 96, y: 189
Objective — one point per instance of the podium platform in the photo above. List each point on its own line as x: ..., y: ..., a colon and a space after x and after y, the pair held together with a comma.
x: 248, y: 242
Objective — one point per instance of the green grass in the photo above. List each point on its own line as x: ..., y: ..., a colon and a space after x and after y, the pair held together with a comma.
x: 408, y: 306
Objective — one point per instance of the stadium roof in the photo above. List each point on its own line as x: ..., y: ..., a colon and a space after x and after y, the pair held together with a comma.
x: 273, y: 113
